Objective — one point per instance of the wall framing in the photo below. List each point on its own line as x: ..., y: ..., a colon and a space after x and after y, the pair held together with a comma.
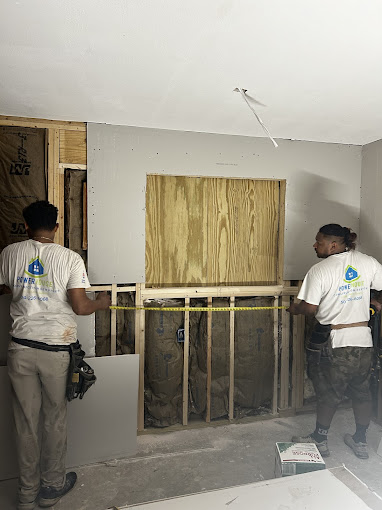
x: 288, y: 389
x: 65, y: 148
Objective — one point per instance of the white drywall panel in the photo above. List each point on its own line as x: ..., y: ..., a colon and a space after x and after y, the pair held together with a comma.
x: 313, y: 491
x: 101, y: 426
x: 371, y: 204
x: 323, y: 182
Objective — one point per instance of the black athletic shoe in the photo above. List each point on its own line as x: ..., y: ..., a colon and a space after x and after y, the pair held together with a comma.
x: 50, y: 495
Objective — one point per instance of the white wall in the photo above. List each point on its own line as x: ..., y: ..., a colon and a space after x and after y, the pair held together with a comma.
x: 323, y: 186
x: 371, y: 203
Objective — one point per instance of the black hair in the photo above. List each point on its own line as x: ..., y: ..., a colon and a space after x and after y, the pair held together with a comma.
x: 40, y: 215
x: 335, y: 230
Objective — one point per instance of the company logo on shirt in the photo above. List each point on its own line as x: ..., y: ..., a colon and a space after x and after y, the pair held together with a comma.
x: 36, y: 268
x: 351, y: 274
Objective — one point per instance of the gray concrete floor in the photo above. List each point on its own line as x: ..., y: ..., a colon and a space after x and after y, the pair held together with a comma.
x: 189, y: 461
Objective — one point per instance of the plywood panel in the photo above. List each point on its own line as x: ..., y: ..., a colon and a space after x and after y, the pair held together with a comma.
x: 213, y: 231
x: 73, y: 146
x: 176, y: 230
x: 243, y: 217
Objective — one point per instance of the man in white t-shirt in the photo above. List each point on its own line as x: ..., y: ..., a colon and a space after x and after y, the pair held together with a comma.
x: 337, y: 292
x: 48, y: 283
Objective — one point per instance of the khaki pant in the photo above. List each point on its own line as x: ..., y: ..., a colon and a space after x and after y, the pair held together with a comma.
x: 38, y: 381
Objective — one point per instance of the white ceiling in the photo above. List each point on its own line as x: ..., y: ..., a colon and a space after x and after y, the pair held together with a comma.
x: 174, y: 64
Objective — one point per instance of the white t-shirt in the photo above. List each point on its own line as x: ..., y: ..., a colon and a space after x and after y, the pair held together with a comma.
x: 39, y: 275
x: 340, y: 285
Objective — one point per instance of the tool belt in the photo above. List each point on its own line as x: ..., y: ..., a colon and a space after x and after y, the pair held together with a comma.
x: 319, y: 348
x: 41, y: 345
x: 80, y: 374
x: 353, y: 325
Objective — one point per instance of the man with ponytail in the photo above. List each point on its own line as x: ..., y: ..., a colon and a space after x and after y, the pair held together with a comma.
x: 340, y: 351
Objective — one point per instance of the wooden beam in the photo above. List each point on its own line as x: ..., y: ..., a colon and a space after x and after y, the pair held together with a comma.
x: 6, y: 120
x: 231, y: 403
x: 276, y: 353
x: 140, y: 349
x: 72, y: 166
x: 50, y: 154
x: 113, y: 321
x: 280, y: 256
x: 284, y: 369
x: 205, y: 292
x: 209, y: 360
x: 300, y: 365
x: 99, y: 288
x: 186, y: 350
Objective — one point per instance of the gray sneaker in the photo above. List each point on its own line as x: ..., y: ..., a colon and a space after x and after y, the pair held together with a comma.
x: 360, y: 449
x: 322, y: 446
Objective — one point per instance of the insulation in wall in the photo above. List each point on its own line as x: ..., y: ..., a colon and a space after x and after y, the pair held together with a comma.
x: 22, y: 178
x: 163, y: 365
x: 74, y: 186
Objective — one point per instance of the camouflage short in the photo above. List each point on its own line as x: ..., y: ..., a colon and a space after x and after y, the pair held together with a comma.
x: 347, y: 373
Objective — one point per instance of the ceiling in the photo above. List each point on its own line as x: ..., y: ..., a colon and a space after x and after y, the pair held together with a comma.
x: 173, y: 64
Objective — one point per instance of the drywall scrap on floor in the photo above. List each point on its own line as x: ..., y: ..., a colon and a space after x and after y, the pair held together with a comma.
x: 317, y: 490
x: 101, y: 427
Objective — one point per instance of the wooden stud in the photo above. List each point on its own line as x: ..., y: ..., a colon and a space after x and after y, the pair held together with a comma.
x: 6, y: 120
x: 84, y: 216
x: 298, y: 365
x: 186, y: 347
x: 209, y: 360
x: 300, y: 348
x: 100, y: 288
x: 231, y: 402
x: 50, y: 154
x: 276, y: 352
x: 113, y: 321
x: 140, y: 349
x: 284, y: 369
x: 280, y: 255
x: 294, y: 361
x: 205, y: 292
x: 72, y: 166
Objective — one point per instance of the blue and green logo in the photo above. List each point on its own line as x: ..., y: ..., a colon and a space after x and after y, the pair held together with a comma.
x: 351, y: 274
x: 36, y: 268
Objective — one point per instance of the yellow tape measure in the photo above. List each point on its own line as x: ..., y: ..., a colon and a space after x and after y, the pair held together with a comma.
x: 199, y: 309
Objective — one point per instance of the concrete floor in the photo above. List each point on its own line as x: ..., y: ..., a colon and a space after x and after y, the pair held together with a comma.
x: 194, y: 460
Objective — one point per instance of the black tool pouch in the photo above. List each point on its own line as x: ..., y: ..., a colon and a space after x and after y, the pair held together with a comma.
x: 319, y: 348
x: 80, y: 374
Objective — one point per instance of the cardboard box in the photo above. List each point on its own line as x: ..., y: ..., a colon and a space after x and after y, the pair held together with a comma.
x: 297, y: 458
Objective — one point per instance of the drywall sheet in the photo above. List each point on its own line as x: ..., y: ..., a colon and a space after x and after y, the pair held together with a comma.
x: 371, y: 205
x: 101, y: 427
x: 323, y: 182
x: 315, y: 491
